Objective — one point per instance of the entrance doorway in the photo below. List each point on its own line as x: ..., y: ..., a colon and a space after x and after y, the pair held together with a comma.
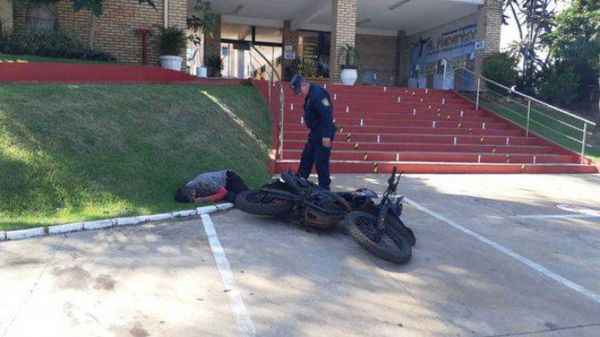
x: 243, y: 62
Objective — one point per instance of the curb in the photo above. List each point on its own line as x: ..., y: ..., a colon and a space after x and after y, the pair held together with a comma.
x: 22, y: 234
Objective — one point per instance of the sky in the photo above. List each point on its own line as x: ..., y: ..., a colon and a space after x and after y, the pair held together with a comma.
x: 510, y: 32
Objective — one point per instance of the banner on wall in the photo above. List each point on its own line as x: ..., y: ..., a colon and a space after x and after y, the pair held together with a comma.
x: 454, y: 41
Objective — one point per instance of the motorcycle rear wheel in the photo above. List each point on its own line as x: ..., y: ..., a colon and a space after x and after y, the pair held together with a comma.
x: 387, y: 244
x: 262, y: 202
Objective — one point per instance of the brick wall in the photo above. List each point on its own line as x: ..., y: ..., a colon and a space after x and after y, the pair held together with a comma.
x: 343, y: 32
x: 114, y: 31
x: 377, y: 53
x: 489, y: 23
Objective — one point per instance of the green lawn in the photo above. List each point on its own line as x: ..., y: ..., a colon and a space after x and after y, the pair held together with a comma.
x: 83, y: 152
x: 7, y: 58
x: 548, y: 123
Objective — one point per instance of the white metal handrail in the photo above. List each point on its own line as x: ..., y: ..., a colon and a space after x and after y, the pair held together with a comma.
x: 529, y: 99
x: 281, y: 98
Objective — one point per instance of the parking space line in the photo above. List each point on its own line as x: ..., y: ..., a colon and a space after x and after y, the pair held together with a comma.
x: 242, y: 317
x: 558, y: 216
x: 531, y: 264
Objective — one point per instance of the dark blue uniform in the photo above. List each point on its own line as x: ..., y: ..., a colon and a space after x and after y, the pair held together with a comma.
x: 318, y: 117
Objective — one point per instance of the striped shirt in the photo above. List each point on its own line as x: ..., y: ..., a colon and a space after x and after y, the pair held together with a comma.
x: 208, y: 183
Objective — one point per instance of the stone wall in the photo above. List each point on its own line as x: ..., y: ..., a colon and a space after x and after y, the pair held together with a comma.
x: 115, y: 31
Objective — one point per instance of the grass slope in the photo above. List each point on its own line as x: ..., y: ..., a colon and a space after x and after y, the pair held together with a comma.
x: 83, y: 152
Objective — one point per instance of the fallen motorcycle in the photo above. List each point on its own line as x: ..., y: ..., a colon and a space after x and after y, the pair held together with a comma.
x: 376, y: 227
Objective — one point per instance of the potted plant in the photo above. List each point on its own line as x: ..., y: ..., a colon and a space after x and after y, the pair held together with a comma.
x: 214, y: 65
x: 347, y: 62
x: 172, y: 43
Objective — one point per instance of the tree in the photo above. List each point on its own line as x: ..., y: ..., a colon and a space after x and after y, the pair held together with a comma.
x: 576, y: 42
x: 202, y: 22
x: 534, y: 20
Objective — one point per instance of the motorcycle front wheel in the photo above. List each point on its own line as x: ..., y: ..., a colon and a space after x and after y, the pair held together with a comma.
x: 386, y: 244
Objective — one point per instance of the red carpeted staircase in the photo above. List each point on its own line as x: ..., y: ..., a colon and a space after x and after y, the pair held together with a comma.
x: 418, y: 130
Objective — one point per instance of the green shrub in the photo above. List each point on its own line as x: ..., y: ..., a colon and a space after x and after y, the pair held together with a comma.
x: 559, y: 84
x: 51, y: 43
x: 501, y: 67
x: 172, y: 40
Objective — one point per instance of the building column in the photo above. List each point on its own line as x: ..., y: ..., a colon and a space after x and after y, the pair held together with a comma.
x: 177, y: 16
x: 343, y: 31
x: 6, y: 17
x: 489, y: 23
x: 212, y: 44
x: 290, y: 37
x: 402, y: 58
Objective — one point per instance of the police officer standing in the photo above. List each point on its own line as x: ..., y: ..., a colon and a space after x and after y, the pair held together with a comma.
x: 318, y: 117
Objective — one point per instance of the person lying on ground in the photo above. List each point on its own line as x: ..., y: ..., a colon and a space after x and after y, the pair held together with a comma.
x: 212, y: 187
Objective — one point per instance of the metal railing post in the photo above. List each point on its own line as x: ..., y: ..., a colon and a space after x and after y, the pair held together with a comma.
x: 583, y: 143
x: 528, y: 117
x: 477, y: 99
x: 270, y: 84
x: 282, y: 116
x: 281, y: 98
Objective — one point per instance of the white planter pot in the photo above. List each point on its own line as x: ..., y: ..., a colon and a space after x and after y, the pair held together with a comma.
x: 349, y: 76
x: 171, y: 62
x: 201, y: 72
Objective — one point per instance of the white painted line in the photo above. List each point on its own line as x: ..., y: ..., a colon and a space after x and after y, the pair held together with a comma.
x: 91, y: 225
x: 25, y: 233
x: 157, y: 217
x: 132, y: 220
x: 237, y: 305
x: 70, y: 227
x: 225, y: 206
x: 183, y: 214
x: 206, y: 209
x: 529, y: 263
x: 99, y: 224
x: 558, y: 216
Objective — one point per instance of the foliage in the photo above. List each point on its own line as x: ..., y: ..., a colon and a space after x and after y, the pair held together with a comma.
x: 501, y: 67
x: 172, y: 40
x: 347, y: 57
x: 95, y: 6
x: 203, y: 21
x: 103, y: 151
x: 52, y: 43
x: 576, y: 41
x: 559, y: 84
x: 215, y: 65
x: 534, y: 20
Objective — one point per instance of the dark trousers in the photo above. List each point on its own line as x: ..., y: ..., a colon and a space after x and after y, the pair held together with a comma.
x: 315, y: 153
x: 235, y: 184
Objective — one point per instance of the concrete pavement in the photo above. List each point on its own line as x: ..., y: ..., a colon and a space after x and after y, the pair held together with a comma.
x: 162, y: 280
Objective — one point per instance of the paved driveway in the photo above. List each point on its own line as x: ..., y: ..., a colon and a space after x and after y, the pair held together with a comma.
x: 495, y: 257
